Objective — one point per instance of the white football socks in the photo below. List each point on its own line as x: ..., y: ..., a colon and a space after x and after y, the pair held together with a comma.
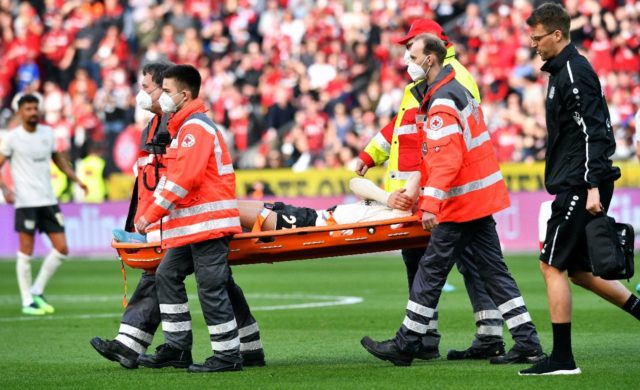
x: 23, y: 271
x: 49, y: 267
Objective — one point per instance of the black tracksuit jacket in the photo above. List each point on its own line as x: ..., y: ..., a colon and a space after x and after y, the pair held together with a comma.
x: 581, y: 139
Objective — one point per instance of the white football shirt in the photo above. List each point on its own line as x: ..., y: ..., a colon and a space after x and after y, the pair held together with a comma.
x: 29, y: 155
x: 363, y: 211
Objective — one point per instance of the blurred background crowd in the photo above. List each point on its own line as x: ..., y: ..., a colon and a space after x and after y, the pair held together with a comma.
x: 294, y: 83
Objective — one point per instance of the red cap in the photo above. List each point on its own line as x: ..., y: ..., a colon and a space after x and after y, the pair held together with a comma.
x: 422, y: 26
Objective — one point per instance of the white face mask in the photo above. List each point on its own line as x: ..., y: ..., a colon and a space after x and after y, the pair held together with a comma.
x: 167, y: 104
x: 407, y: 57
x: 416, y: 72
x: 144, y: 100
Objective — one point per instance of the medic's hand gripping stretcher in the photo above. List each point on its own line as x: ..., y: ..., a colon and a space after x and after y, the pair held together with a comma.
x: 298, y: 244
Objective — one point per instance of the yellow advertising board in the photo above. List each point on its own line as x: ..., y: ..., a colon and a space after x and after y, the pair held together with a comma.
x: 630, y: 174
x: 313, y: 182
x: 335, y: 182
x: 530, y: 176
x: 279, y: 182
x: 523, y: 177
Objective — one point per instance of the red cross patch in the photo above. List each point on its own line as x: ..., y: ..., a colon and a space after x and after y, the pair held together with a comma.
x: 435, y: 123
x: 188, y: 141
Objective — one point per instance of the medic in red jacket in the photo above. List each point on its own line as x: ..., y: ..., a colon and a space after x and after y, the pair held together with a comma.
x: 462, y: 179
x: 197, y: 195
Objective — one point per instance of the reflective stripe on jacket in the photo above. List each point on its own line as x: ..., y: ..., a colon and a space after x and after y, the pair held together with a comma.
x: 400, y: 137
x: 463, y: 180
x: 196, y: 197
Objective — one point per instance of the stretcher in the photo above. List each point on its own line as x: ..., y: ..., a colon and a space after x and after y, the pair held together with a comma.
x: 298, y: 244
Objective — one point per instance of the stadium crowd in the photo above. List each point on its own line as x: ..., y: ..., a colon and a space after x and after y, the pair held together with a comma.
x: 295, y: 83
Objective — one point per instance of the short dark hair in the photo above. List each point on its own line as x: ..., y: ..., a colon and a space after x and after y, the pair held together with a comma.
x: 433, y: 45
x: 28, y: 98
x: 186, y: 76
x: 552, y: 17
x: 156, y: 70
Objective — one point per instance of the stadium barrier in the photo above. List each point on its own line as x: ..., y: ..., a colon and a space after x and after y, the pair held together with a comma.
x: 284, y: 183
x: 89, y: 225
x: 530, y: 176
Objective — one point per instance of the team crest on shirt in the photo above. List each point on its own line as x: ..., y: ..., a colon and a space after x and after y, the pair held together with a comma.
x: 577, y: 117
x: 435, y: 123
x: 552, y: 91
x: 188, y: 141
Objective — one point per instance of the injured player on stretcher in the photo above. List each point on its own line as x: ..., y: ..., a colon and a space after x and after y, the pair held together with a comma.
x: 375, y: 205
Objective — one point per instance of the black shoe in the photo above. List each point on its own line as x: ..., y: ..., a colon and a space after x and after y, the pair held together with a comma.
x: 482, y: 352
x: 116, y: 351
x: 547, y: 366
x: 427, y: 354
x: 166, y: 356
x: 213, y: 364
x: 516, y: 355
x: 253, y: 358
x: 386, y: 350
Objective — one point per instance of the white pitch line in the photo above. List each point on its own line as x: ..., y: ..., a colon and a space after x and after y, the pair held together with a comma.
x: 332, y: 300
x: 13, y: 299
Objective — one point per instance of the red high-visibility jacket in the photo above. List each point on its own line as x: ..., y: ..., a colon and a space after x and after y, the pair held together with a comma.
x: 463, y: 181
x: 197, y: 195
x: 398, y: 143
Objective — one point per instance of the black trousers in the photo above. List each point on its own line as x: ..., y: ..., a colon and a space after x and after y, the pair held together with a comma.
x: 487, y: 317
x: 232, y: 327
x: 448, y: 242
x: 142, y: 316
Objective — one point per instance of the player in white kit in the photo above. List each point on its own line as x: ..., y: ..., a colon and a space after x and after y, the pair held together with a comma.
x: 30, y: 148
x: 376, y: 205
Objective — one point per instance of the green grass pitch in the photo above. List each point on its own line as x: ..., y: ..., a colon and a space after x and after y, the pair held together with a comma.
x: 312, y: 315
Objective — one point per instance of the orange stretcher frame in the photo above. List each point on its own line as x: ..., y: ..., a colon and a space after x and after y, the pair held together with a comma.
x: 298, y: 244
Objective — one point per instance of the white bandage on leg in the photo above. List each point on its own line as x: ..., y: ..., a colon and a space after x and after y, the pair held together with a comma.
x: 23, y: 272
x: 366, y: 189
x: 49, y: 267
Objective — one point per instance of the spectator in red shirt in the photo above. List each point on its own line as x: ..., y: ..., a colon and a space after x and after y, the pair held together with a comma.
x: 252, y: 50
x: 58, y: 51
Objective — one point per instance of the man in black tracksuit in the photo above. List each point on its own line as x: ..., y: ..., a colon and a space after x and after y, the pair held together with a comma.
x: 579, y: 172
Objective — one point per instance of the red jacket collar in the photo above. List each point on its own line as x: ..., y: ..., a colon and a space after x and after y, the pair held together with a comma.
x: 178, y: 118
x: 446, y: 74
x: 153, y: 126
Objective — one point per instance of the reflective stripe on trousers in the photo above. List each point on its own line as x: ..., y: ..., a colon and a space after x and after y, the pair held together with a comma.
x: 447, y: 242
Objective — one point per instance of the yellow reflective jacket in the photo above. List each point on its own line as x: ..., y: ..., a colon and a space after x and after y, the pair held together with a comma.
x: 60, y: 184
x: 400, y: 137
x: 90, y: 172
